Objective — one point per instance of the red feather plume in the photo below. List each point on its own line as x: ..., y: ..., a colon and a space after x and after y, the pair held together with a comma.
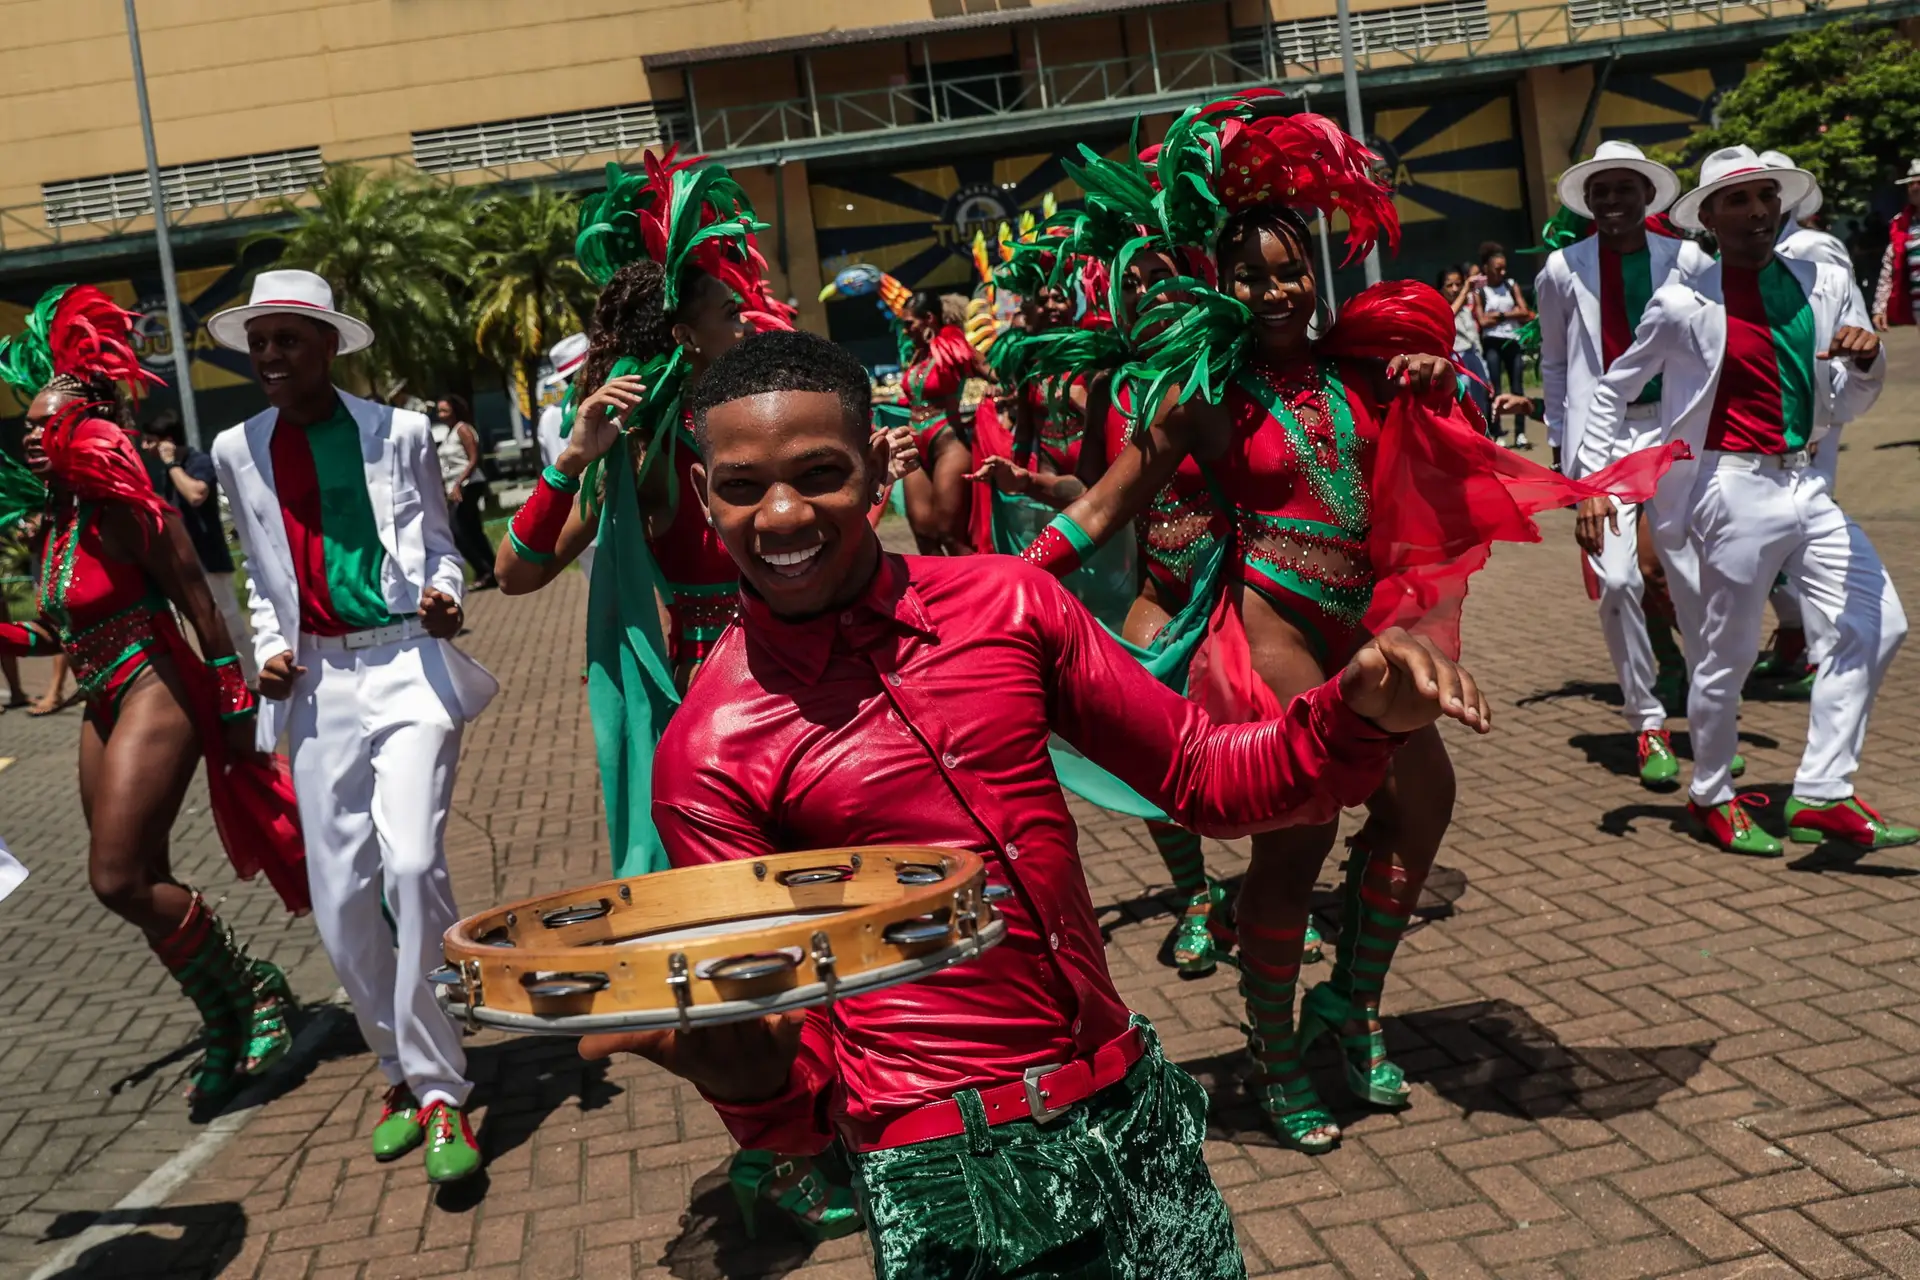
x: 1394, y: 317
x: 94, y: 459
x: 1307, y: 161
x: 92, y: 337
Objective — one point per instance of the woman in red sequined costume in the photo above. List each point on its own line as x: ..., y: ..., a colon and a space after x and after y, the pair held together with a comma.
x: 118, y: 569
x: 1255, y: 474
x: 938, y: 496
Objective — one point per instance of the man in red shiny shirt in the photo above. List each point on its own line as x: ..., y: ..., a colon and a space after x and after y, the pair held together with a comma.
x: 1007, y: 1116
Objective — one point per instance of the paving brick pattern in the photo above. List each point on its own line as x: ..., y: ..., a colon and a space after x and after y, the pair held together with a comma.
x: 1632, y: 1055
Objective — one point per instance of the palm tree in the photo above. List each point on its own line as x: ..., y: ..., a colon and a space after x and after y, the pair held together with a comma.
x: 528, y: 292
x: 396, y: 251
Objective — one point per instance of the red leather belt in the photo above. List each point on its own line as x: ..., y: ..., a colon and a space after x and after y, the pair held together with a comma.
x: 1040, y: 1095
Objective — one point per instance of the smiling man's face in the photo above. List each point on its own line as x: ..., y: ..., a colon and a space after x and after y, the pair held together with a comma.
x: 789, y: 481
x: 292, y: 357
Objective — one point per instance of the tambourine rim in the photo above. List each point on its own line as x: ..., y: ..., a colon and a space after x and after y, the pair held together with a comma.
x: 712, y: 1015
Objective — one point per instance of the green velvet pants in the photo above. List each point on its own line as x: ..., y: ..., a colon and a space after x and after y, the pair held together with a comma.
x: 1116, y: 1188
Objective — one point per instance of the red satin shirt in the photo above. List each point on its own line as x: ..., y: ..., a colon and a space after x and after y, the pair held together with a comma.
x: 921, y: 715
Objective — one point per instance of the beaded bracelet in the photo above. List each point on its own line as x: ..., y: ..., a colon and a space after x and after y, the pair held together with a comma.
x: 234, y: 698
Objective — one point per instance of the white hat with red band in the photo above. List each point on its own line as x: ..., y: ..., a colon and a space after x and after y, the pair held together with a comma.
x: 1731, y: 166
x: 568, y: 355
x: 1807, y: 207
x: 292, y: 293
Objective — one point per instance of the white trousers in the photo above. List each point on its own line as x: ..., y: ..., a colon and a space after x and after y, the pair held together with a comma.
x: 1623, y: 620
x: 221, y: 585
x: 374, y: 753
x: 1785, y: 600
x: 1750, y: 522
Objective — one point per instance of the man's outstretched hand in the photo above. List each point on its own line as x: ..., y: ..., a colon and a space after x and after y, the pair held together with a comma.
x: 1403, y: 683
x: 734, y: 1062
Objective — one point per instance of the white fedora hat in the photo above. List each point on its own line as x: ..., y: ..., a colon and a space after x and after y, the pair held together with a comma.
x: 568, y: 355
x: 1618, y: 155
x: 1913, y: 175
x: 1731, y: 166
x: 1810, y: 204
x: 293, y: 293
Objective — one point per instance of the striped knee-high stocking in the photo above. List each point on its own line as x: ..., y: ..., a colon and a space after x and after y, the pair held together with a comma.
x: 1196, y: 949
x: 1269, y: 972
x: 1376, y: 905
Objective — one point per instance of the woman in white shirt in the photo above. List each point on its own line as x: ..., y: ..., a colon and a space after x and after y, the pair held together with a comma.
x: 458, y: 446
x: 1499, y: 309
x: 1456, y: 287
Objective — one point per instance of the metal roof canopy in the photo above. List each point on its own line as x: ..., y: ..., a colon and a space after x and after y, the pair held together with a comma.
x: 838, y: 38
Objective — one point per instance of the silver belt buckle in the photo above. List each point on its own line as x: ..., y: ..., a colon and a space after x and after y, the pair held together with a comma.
x: 1796, y: 460
x: 1036, y: 1103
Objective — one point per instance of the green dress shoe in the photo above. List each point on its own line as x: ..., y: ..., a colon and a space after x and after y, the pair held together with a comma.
x: 1659, y: 767
x: 1850, y: 821
x: 452, y: 1154
x: 1737, y: 766
x: 399, y: 1129
x: 1731, y: 827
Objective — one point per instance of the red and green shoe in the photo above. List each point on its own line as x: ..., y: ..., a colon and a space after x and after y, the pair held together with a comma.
x: 1659, y: 767
x: 399, y: 1129
x: 1731, y: 827
x: 1850, y: 821
x: 452, y: 1154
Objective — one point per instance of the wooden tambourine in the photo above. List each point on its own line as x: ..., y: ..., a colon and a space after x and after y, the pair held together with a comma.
x: 719, y: 943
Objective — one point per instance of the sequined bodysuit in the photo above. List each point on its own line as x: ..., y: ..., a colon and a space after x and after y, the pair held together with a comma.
x: 1292, y: 492
x: 932, y: 386
x: 110, y: 618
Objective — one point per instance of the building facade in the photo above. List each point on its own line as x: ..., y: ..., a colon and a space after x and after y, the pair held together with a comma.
x: 879, y: 131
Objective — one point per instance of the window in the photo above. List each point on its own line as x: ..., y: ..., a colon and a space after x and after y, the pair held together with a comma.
x: 1312, y: 40
x: 575, y: 133
x: 228, y: 182
x: 1589, y: 13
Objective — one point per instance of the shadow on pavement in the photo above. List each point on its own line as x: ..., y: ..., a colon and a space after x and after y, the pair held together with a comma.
x: 1606, y: 694
x: 177, y: 1240
x: 713, y: 1244
x: 521, y: 1082
x: 1488, y: 1056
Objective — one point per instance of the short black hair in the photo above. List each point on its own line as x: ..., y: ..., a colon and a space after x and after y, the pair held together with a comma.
x: 784, y: 360
x: 165, y: 425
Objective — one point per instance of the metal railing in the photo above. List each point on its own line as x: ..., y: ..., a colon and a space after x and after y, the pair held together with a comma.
x: 1398, y: 40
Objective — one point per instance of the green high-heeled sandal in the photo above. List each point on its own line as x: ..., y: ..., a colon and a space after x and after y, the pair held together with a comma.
x: 1293, y: 1110
x: 1196, y: 951
x: 269, y: 1038
x: 818, y: 1209
x: 1310, y: 952
x: 1370, y: 1076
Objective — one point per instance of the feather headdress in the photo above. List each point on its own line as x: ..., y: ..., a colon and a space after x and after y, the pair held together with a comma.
x: 74, y: 330
x: 681, y: 213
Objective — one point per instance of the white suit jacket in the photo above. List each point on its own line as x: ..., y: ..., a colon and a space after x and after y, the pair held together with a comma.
x: 409, y: 512
x: 1571, y: 359
x: 1683, y: 339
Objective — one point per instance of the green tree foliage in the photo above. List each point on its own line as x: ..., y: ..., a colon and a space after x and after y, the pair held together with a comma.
x: 1843, y: 100
x: 396, y: 250
x: 528, y: 292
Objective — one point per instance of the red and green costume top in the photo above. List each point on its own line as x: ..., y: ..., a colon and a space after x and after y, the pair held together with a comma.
x: 320, y: 477
x: 1764, y: 403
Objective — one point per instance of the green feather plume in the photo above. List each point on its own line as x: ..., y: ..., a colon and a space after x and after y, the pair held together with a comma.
x: 610, y: 226
x: 21, y: 493
x: 26, y: 359
x: 1202, y: 343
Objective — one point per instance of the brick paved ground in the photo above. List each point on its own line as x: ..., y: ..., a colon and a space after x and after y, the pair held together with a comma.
x: 1632, y: 1055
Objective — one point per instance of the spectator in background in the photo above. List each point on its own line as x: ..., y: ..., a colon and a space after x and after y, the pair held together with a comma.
x: 184, y: 476
x: 1499, y: 309
x: 1899, y: 283
x: 10, y: 668
x: 1456, y: 286
x: 458, y: 446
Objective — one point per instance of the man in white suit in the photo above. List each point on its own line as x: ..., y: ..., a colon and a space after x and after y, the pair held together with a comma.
x: 1592, y: 294
x: 356, y: 587
x: 1757, y: 361
x: 1786, y: 662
